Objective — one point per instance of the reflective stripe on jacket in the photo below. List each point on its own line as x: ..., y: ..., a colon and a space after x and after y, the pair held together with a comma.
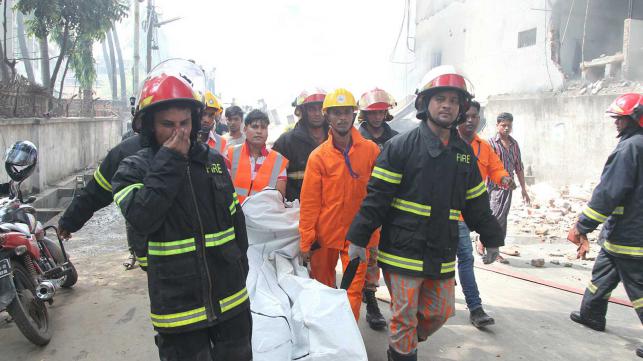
x: 617, y: 200
x: 417, y: 191
x: 330, y: 196
x: 196, y: 261
x: 266, y: 176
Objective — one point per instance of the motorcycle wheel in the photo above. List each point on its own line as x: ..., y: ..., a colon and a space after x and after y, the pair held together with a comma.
x: 28, y: 312
x: 71, y: 277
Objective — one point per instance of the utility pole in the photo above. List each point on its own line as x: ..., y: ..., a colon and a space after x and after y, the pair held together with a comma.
x: 137, y: 57
x: 151, y: 22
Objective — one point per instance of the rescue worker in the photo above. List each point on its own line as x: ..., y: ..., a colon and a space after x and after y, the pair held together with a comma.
x: 334, y: 186
x: 234, y: 117
x: 491, y: 170
x: 422, y: 182
x: 374, y: 108
x: 196, y: 245
x: 97, y: 194
x: 617, y: 203
x: 253, y: 166
x: 297, y: 144
x: 209, y: 121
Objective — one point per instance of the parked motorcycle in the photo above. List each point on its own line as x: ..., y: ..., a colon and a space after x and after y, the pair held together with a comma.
x: 32, y: 266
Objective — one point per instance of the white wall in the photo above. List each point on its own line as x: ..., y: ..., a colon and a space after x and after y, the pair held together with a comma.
x: 65, y: 145
x: 480, y: 37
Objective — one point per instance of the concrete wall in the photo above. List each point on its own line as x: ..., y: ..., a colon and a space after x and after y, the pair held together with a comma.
x: 65, y: 145
x: 481, y: 38
x: 565, y: 139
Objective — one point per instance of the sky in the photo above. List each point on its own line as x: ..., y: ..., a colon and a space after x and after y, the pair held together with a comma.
x: 274, y: 49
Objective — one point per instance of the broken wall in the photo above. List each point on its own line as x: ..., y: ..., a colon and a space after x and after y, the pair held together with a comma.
x: 482, y: 39
x: 601, y: 24
x: 564, y: 139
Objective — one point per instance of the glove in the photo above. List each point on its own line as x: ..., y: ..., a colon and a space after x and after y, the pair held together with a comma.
x: 355, y: 251
x: 491, y: 255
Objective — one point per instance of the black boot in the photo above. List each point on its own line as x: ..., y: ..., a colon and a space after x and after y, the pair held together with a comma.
x: 594, y: 324
x: 373, y: 315
x: 480, y: 319
x: 639, y: 351
x: 394, y: 356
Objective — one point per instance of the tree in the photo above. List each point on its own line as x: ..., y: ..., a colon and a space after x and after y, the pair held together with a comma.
x: 112, y: 63
x: 121, y: 65
x: 69, y: 21
x: 24, y: 50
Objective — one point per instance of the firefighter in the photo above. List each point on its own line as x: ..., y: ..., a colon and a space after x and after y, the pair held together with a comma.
x: 209, y: 119
x: 374, y: 106
x: 373, y: 116
x: 617, y: 201
x: 297, y: 144
x: 422, y: 182
x: 97, y: 194
x: 197, y: 262
x: 334, y: 186
x: 252, y: 165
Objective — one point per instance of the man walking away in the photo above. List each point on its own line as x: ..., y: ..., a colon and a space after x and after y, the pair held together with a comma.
x: 617, y: 202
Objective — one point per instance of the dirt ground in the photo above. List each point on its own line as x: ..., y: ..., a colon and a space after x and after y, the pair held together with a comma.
x: 105, y: 316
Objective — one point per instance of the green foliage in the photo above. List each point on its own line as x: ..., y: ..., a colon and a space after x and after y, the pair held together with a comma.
x: 81, y: 61
x: 90, y: 18
x: 75, y: 25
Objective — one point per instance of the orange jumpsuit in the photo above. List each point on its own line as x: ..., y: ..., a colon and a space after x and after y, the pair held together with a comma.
x: 330, y: 198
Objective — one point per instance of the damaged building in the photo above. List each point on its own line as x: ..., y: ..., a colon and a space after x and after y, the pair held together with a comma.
x: 555, y: 64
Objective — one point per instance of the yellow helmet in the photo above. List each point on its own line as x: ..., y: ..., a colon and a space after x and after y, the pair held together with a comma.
x: 339, y: 97
x: 211, y: 101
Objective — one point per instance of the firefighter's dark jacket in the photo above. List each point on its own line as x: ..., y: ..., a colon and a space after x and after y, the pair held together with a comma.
x: 417, y: 191
x: 97, y: 194
x: 197, y: 264
x: 296, y: 145
x: 618, y: 199
x: 388, y: 134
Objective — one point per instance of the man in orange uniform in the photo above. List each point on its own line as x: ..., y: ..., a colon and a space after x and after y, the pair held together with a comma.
x: 209, y: 119
x: 491, y: 169
x: 334, y: 186
x: 252, y: 166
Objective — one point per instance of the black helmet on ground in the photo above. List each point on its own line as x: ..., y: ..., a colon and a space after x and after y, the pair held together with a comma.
x: 20, y: 160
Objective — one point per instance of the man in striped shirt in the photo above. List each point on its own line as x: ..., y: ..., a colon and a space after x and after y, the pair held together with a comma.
x: 509, y: 152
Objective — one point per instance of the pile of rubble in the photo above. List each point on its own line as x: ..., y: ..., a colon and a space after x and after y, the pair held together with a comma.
x: 551, y: 213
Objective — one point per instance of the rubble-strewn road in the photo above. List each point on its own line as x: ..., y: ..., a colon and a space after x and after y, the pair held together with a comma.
x: 105, y: 316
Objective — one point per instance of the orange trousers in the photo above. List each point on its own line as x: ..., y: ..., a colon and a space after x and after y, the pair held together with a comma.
x: 322, y: 267
x: 419, y: 307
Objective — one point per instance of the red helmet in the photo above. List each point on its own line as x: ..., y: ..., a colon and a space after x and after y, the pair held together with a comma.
x: 629, y: 105
x: 442, y: 78
x: 314, y: 95
x: 376, y: 99
x: 172, y: 80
